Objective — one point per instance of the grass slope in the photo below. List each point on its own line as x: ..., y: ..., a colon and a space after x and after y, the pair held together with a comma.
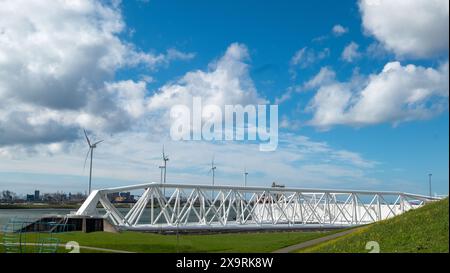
x: 156, y: 243
x: 422, y: 230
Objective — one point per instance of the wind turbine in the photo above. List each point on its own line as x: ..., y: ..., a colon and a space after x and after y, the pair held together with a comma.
x: 91, y: 152
x: 245, y: 182
x: 245, y: 177
x: 165, y: 158
x: 213, y: 171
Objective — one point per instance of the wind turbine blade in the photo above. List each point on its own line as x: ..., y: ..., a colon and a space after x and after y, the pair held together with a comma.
x: 98, y: 142
x: 87, y: 138
x: 85, y: 160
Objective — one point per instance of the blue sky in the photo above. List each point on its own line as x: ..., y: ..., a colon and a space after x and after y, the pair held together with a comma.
x: 377, y: 119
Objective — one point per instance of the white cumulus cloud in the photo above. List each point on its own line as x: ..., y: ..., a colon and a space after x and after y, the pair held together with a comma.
x: 397, y: 94
x: 58, y: 61
x: 418, y: 28
x: 226, y: 82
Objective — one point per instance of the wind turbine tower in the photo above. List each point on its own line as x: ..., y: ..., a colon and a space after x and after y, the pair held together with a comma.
x: 213, y: 170
x: 165, y: 158
x: 162, y: 174
x: 245, y: 177
x: 245, y: 182
x: 91, y: 153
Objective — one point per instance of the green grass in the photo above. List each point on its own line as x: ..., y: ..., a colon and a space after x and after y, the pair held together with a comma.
x: 418, y: 231
x: 156, y: 243
x: 422, y: 230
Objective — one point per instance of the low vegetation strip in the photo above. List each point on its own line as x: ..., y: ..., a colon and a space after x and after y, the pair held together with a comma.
x: 157, y: 243
x: 424, y: 230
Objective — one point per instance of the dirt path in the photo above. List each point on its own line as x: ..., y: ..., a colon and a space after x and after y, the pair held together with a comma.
x: 306, y: 244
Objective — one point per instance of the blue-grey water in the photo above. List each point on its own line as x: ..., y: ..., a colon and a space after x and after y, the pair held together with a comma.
x: 6, y: 214
x: 35, y: 214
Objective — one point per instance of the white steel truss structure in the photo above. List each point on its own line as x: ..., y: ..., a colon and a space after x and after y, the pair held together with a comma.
x: 190, y: 207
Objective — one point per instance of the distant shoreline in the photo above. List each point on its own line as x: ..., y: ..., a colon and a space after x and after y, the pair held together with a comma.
x: 50, y: 206
x: 46, y: 206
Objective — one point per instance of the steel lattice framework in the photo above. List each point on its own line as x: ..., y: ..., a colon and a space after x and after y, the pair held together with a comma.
x: 182, y: 206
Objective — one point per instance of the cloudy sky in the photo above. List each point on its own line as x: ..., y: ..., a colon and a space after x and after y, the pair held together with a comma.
x: 362, y: 89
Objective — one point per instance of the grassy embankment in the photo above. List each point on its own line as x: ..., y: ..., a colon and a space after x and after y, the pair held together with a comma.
x: 422, y: 230
x: 156, y: 243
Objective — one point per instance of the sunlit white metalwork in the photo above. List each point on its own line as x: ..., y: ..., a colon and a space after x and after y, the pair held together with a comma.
x: 233, y: 207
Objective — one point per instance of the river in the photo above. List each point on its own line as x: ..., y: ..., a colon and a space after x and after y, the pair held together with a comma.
x: 35, y: 214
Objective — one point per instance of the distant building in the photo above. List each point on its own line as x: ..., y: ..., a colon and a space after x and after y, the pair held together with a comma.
x: 112, y: 196
x: 30, y: 198
x: 36, y: 195
x: 277, y: 195
x: 121, y: 197
x: 275, y: 185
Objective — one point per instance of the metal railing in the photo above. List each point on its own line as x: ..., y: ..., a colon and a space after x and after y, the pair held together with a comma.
x: 186, y: 206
